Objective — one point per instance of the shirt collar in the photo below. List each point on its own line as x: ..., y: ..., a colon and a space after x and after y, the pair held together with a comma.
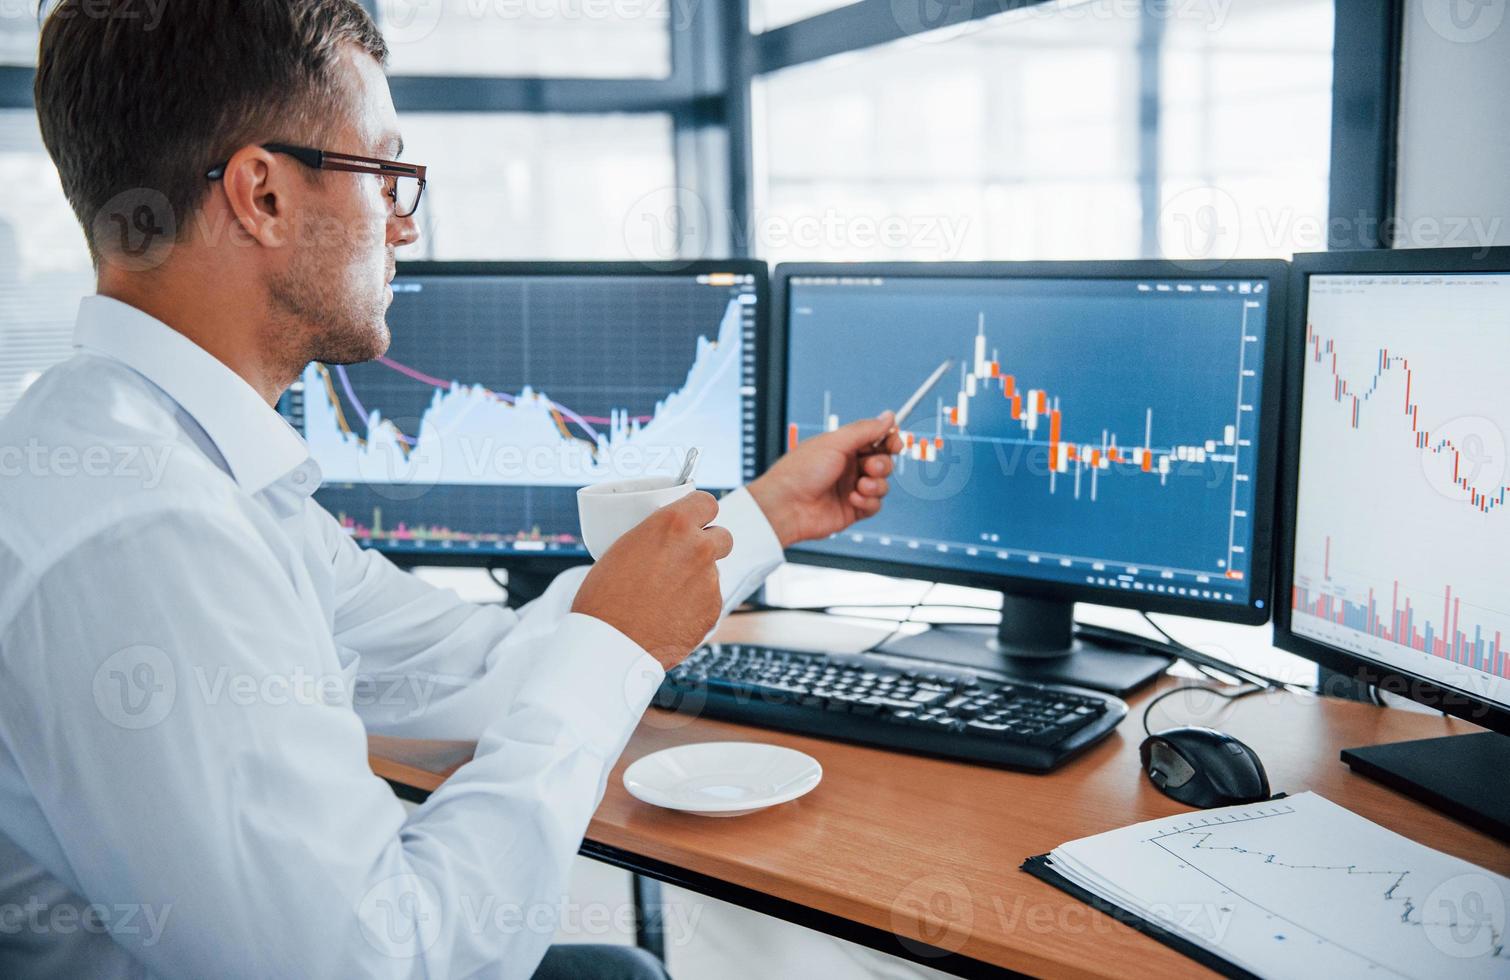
x: 257, y: 443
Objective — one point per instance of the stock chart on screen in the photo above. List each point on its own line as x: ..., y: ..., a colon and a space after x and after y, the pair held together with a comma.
x: 1402, y: 536
x: 503, y: 394
x: 1099, y: 432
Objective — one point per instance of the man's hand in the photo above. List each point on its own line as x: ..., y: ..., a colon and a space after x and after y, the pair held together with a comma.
x: 830, y: 481
x: 658, y: 584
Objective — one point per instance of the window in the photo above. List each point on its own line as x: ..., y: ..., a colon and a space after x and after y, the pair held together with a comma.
x: 510, y: 186
x: 1017, y: 138
x: 44, y: 267
x: 541, y: 38
x: 1245, y: 124
x: 1028, y: 136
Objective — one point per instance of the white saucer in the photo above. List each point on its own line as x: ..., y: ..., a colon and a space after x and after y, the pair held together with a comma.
x: 722, y: 779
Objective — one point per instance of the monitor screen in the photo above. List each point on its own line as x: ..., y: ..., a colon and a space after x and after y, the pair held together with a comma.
x: 1097, y: 433
x: 1402, y: 526
x: 506, y: 389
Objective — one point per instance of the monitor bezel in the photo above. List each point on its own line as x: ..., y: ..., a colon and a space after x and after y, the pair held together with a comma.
x: 1453, y: 701
x: 549, y: 563
x: 1275, y: 272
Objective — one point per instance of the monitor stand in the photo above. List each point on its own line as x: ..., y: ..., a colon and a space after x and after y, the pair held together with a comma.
x: 1464, y: 776
x: 1036, y: 641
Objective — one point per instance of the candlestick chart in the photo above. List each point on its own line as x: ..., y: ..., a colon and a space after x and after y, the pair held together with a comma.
x: 1103, y: 432
x: 1401, y: 521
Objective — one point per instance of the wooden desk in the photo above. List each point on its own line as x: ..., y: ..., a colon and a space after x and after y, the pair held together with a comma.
x: 919, y: 857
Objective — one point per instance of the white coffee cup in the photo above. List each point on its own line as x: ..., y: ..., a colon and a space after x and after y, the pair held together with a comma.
x: 608, y: 510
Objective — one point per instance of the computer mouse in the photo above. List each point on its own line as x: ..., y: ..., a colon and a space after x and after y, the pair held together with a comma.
x: 1203, y: 767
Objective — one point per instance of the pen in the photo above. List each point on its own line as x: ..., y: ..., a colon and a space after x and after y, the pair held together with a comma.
x: 918, y: 396
x: 922, y: 392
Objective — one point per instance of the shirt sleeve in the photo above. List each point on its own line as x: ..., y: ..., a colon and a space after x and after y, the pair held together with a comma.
x: 757, y: 551
x: 429, y: 665
x: 186, y: 728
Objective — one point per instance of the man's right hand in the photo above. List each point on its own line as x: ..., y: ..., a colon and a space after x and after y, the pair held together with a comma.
x: 658, y: 584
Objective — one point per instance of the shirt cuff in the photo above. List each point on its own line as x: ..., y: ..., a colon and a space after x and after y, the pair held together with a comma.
x: 605, y: 678
x: 757, y: 551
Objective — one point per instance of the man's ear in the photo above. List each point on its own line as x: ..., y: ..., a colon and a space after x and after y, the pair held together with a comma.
x: 257, y: 190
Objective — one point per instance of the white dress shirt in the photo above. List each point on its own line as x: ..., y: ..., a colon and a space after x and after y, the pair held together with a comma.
x: 192, y: 653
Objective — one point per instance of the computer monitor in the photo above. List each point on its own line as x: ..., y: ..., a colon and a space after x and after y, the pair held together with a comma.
x: 1105, y: 435
x: 510, y: 385
x: 1394, y: 564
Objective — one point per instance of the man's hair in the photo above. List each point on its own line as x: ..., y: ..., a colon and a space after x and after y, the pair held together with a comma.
x: 140, y: 106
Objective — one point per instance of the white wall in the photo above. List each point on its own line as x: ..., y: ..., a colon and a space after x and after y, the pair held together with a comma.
x: 1454, y: 154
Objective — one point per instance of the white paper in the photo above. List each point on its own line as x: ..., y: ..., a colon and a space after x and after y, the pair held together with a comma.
x: 1301, y: 887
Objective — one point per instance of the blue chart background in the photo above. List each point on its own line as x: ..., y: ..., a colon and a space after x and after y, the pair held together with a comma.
x: 1107, y: 351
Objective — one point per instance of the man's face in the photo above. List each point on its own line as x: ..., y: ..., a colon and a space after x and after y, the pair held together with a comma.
x: 332, y: 281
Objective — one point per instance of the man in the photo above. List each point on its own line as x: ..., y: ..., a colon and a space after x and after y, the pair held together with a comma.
x: 192, y: 652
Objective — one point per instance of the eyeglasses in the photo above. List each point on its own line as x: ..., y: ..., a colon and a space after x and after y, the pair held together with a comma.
x: 404, y: 183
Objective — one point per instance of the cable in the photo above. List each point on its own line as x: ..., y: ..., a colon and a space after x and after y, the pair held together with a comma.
x: 1230, y: 696
x: 903, y: 624
x: 1160, y: 630
x: 1198, y: 659
x: 493, y: 571
x: 759, y: 607
x: 1208, y: 665
x: 1216, y: 675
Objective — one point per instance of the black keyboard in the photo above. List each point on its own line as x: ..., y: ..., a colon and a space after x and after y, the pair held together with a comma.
x: 893, y: 702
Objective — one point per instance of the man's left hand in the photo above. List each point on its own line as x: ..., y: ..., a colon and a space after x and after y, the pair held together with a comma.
x: 830, y: 481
